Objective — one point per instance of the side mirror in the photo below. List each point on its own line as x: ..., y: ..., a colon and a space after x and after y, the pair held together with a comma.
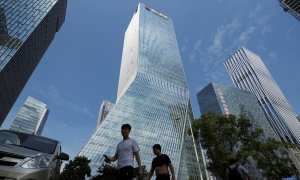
x: 63, y: 156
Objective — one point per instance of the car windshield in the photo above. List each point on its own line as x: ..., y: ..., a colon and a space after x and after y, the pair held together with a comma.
x: 29, y: 141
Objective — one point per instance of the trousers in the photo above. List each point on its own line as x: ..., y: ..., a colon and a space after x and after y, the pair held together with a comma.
x: 163, y: 177
x: 125, y: 173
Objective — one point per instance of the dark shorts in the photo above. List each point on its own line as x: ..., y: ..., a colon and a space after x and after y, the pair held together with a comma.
x: 125, y: 173
x: 163, y: 177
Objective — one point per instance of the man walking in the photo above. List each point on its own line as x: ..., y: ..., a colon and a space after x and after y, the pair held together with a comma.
x: 161, y: 165
x: 236, y: 171
x: 125, y: 153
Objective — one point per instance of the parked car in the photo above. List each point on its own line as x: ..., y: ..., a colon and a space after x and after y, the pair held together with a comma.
x: 29, y: 157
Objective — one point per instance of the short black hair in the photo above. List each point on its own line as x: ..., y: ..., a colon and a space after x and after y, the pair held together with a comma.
x: 156, y: 146
x: 232, y: 160
x: 127, y: 126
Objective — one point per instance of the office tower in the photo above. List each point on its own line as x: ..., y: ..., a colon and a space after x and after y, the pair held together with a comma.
x: 248, y: 72
x: 227, y: 100
x: 104, y: 110
x: 31, y: 118
x: 292, y: 6
x: 26, y: 31
x: 152, y: 97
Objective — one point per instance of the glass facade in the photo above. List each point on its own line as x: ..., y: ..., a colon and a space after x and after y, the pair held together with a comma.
x: 248, y: 72
x: 292, y: 6
x: 152, y: 97
x: 229, y: 100
x: 27, y: 28
x: 31, y: 118
x: 104, y: 110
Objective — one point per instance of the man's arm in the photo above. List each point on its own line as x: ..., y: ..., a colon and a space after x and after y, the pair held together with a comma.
x: 245, y: 172
x: 150, y: 174
x: 113, y: 158
x: 172, y: 171
x: 248, y: 176
x: 138, y: 161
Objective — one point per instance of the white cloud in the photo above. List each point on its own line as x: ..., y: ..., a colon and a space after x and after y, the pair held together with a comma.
x: 289, y: 34
x: 245, y: 36
x: 197, y: 45
x: 192, y: 58
x: 270, y: 58
x: 222, y: 31
x: 211, y: 58
x: 266, y: 29
x: 273, y: 55
x: 217, y: 43
x: 260, y: 17
x: 210, y: 64
x: 56, y: 97
x: 196, y: 50
x: 255, y: 12
x: 184, y: 46
x: 263, y: 19
x: 241, y: 29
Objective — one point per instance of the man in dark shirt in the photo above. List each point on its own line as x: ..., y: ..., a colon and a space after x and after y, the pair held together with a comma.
x: 161, y: 165
x: 236, y: 171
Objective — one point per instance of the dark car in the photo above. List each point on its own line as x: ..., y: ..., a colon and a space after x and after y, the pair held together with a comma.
x: 29, y: 157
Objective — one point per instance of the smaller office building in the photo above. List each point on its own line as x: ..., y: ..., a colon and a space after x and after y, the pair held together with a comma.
x: 31, y: 117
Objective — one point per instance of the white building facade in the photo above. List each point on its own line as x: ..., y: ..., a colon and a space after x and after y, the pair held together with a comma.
x: 31, y: 118
x: 248, y: 72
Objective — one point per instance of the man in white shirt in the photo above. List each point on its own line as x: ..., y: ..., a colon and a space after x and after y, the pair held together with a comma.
x: 125, y: 153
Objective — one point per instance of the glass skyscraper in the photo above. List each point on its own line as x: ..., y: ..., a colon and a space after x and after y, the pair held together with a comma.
x: 152, y: 97
x: 31, y: 118
x: 292, y: 6
x: 227, y: 100
x: 27, y: 28
x: 248, y: 72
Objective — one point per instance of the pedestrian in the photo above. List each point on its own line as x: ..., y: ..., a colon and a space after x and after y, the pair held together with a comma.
x: 236, y: 171
x: 161, y: 165
x: 126, y: 150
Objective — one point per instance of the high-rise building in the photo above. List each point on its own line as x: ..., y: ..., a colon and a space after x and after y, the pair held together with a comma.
x: 152, y: 97
x: 104, y: 110
x: 248, y: 72
x: 26, y: 31
x: 227, y: 100
x: 292, y: 6
x: 31, y: 118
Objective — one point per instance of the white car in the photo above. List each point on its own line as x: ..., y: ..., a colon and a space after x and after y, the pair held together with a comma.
x: 29, y: 157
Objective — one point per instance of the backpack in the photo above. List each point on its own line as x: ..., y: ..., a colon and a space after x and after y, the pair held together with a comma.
x: 234, y: 174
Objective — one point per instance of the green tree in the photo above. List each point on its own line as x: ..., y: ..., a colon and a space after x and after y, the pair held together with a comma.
x: 225, y: 136
x: 106, y: 172
x: 276, y: 164
x: 109, y: 172
x: 76, y: 169
x: 136, y: 172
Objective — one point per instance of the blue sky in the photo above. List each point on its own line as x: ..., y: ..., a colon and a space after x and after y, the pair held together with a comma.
x: 81, y: 67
